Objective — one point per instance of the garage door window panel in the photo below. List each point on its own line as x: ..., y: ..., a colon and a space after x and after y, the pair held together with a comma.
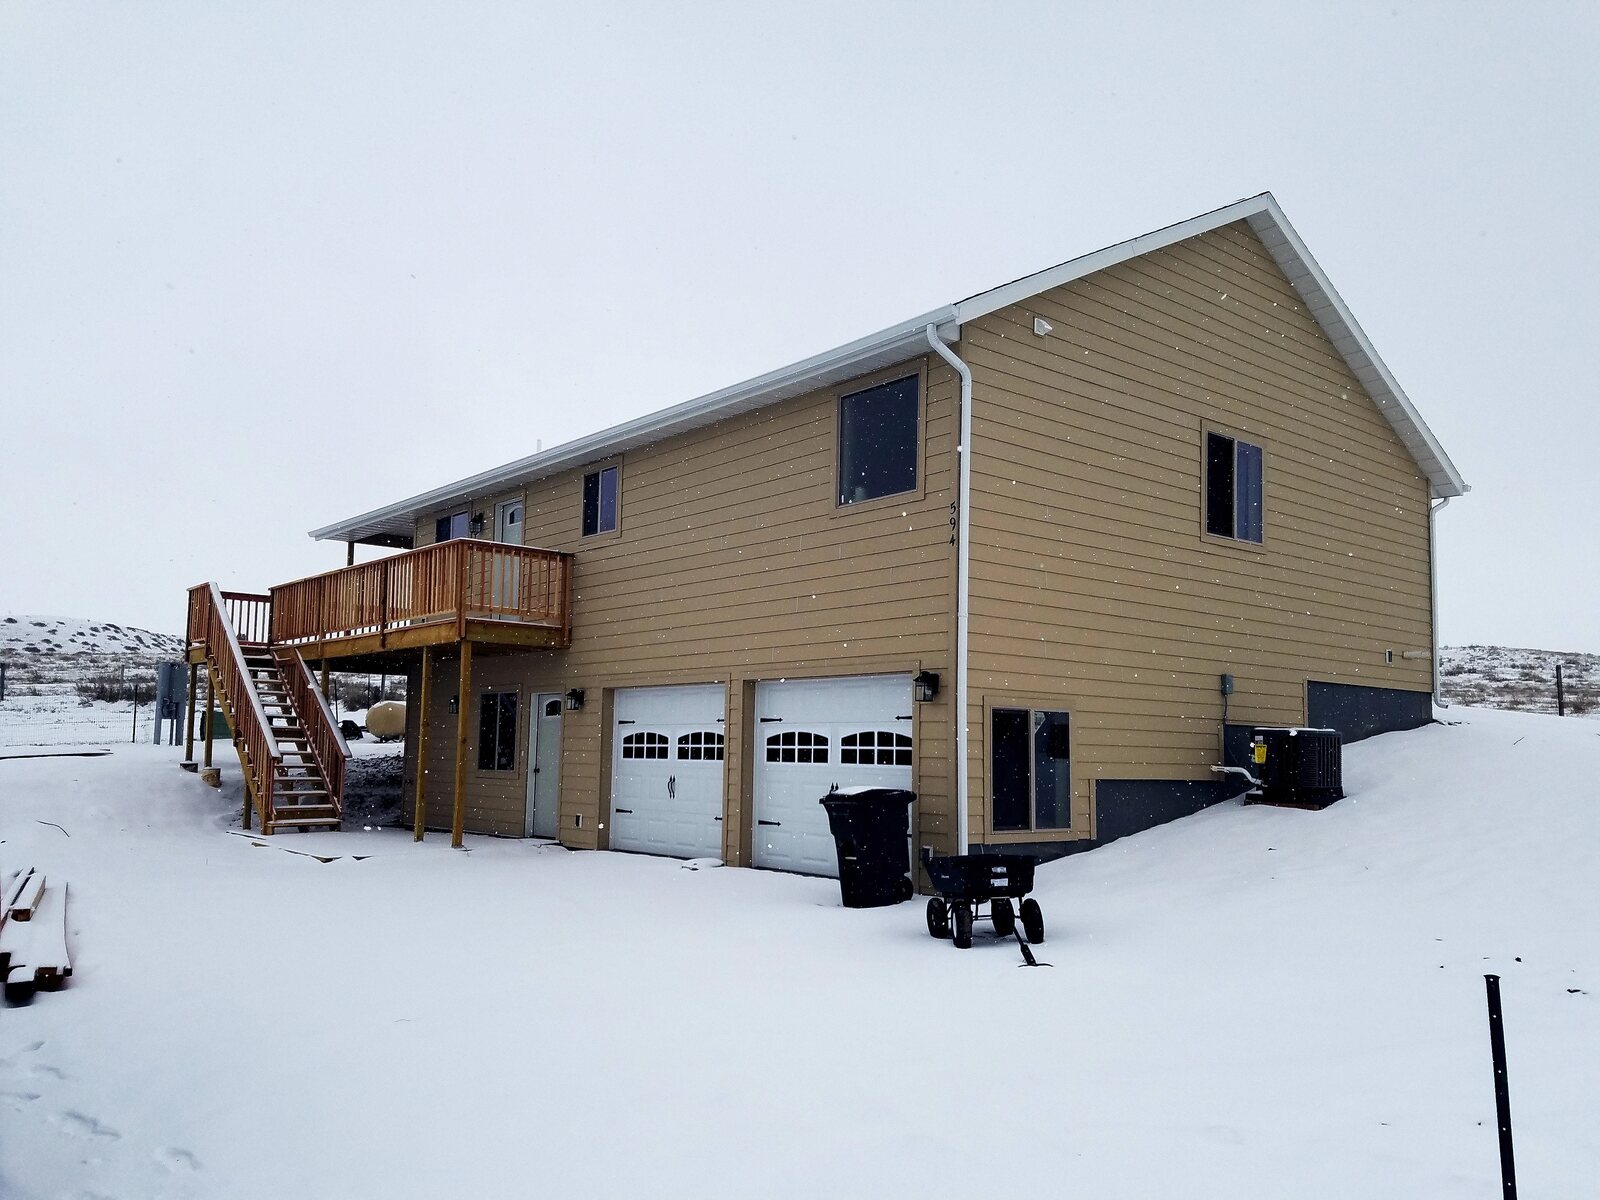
x: 701, y: 746
x: 1030, y: 770
x: 875, y: 748
x: 497, y: 731
x: 797, y: 746
x: 645, y: 745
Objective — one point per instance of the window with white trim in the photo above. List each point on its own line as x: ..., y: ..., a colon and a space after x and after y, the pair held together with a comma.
x: 600, y: 500
x: 878, y: 441
x: 497, y: 731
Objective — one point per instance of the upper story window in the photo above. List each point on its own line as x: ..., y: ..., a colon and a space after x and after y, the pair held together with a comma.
x: 878, y: 441
x: 600, y: 501
x: 1030, y: 776
x: 497, y: 731
x: 453, y: 526
x: 1233, y: 488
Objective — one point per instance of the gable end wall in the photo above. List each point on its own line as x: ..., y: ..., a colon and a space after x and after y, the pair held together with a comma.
x: 1093, y: 584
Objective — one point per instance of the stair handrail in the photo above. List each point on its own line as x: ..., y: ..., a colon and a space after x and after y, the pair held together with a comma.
x: 326, y: 739
x: 233, y: 674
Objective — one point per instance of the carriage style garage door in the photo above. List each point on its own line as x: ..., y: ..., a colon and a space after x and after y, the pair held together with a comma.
x: 812, y: 735
x: 666, y: 771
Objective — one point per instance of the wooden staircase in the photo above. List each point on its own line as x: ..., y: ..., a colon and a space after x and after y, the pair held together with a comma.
x: 302, y: 798
x: 290, y: 748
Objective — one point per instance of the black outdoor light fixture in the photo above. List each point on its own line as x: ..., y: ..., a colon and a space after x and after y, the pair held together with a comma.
x: 925, y: 685
x: 575, y: 700
x: 475, y: 526
x: 455, y: 704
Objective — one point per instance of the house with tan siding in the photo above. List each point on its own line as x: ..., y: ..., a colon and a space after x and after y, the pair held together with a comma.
x: 1002, y: 554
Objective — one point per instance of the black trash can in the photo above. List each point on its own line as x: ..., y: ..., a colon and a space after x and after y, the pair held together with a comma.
x: 871, y: 832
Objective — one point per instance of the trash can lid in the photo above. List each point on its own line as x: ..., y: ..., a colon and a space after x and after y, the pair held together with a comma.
x: 865, y: 795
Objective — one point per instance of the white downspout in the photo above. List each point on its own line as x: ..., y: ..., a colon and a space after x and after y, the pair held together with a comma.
x: 963, y: 578
x: 1433, y: 597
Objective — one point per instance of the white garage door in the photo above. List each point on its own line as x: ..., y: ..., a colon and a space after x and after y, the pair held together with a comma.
x: 813, y: 735
x: 667, y: 760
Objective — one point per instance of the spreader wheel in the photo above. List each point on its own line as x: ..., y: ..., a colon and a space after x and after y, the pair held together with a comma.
x: 1005, y: 918
x: 962, y: 914
x: 1033, y: 921
x: 938, y: 918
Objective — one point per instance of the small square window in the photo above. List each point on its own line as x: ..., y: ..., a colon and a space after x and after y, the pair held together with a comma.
x: 1233, y: 488
x: 878, y: 441
x: 453, y: 526
x: 600, y: 501
x: 1030, y: 769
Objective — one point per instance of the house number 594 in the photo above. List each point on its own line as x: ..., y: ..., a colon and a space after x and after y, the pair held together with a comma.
x: 954, y: 521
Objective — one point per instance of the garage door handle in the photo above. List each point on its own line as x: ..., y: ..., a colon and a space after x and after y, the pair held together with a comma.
x: 769, y: 822
x: 629, y: 811
x: 672, y: 787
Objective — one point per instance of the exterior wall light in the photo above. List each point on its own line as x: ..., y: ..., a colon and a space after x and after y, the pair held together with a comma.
x: 925, y: 685
x: 475, y: 526
x: 575, y: 700
x: 455, y: 704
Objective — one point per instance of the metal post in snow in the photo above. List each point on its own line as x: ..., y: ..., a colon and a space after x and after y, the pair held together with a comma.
x: 1561, y: 699
x: 1502, y: 1091
x: 2, y: 681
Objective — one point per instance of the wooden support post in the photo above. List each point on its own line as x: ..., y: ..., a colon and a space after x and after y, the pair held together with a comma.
x: 211, y: 713
x: 349, y: 554
x: 324, y: 678
x: 188, y: 734
x: 422, y: 745
x: 458, y: 817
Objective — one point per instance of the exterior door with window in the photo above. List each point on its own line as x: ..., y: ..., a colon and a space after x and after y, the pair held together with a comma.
x: 544, y: 776
x: 506, y: 581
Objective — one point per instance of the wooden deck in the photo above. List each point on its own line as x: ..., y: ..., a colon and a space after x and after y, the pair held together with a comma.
x: 458, y: 591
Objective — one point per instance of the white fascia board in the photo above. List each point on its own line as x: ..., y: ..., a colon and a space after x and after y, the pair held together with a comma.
x: 885, y: 348
x: 1322, y: 301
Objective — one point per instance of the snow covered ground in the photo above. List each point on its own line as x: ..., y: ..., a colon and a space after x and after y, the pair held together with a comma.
x: 1511, y: 677
x: 1248, y: 1003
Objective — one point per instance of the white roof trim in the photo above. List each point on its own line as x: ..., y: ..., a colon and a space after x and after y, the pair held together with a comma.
x: 904, y: 341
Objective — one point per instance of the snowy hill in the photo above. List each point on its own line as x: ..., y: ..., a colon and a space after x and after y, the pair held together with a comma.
x: 23, y: 633
x: 70, y: 681
x: 1524, y: 680
x: 1248, y: 1003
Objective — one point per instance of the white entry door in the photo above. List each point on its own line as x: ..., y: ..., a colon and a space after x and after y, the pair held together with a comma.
x: 816, y: 735
x: 544, y: 777
x: 505, y: 584
x: 667, y: 757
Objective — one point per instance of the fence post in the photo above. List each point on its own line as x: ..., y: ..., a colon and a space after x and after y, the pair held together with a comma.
x: 1561, y: 700
x: 1502, y: 1090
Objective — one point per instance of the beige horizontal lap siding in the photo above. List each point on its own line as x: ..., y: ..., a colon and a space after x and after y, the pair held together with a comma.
x: 733, y: 564
x: 1092, y: 580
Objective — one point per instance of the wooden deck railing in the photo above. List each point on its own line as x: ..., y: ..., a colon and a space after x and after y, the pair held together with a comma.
x: 449, y: 582
x: 211, y: 625
x: 249, y: 614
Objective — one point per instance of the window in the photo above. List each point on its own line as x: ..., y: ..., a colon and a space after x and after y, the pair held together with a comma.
x: 878, y: 441
x: 497, y: 732
x: 552, y: 708
x: 453, y: 526
x: 797, y: 747
x: 600, y: 501
x: 875, y: 748
x: 1233, y: 488
x: 645, y: 745
x: 703, y: 745
x: 1030, y: 769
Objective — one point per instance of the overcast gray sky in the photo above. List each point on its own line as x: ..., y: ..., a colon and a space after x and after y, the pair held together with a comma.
x: 264, y: 266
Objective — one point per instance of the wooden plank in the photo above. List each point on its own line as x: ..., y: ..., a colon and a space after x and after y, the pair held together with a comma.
x: 423, y: 724
x: 463, y: 724
x: 34, y: 955
x: 20, y: 905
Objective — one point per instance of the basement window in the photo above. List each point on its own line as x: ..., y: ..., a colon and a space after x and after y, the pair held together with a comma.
x: 452, y: 526
x: 600, y: 501
x: 1233, y: 488
x: 497, y: 731
x: 1030, y: 774
x: 878, y: 440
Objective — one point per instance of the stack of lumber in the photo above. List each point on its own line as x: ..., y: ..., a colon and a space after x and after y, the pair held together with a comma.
x: 33, y: 933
